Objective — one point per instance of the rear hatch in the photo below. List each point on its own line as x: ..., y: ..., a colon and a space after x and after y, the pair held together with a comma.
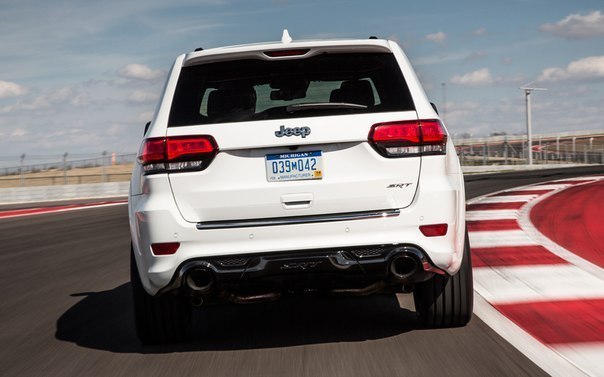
x: 292, y: 135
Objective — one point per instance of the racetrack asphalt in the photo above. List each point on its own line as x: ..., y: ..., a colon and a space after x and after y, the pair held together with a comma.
x: 66, y: 310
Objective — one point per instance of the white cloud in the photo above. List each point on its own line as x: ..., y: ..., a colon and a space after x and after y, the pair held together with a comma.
x: 440, y: 58
x: 50, y: 101
x: 11, y: 89
x: 62, y: 94
x: 18, y: 132
x: 577, y: 26
x: 437, y: 37
x: 80, y: 100
x: 590, y: 68
x: 140, y: 72
x: 480, y: 31
x: 394, y: 37
x: 55, y: 96
x: 504, y: 114
x: 143, y: 96
x: 477, y: 78
x: 145, y: 117
x: 476, y: 55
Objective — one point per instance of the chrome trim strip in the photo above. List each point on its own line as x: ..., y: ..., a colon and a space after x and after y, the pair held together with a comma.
x: 298, y: 219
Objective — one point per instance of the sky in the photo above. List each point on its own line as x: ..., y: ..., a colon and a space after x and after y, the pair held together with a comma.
x: 84, y: 77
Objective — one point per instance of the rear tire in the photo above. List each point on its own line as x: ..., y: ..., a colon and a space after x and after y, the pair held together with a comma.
x: 444, y: 300
x: 163, y: 319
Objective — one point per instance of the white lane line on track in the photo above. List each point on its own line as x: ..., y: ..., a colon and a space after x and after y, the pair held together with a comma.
x: 590, y: 178
x: 546, y: 358
x: 508, y: 199
x: 587, y: 355
x: 499, y: 214
x: 503, y: 285
x: 553, y: 186
x: 500, y: 238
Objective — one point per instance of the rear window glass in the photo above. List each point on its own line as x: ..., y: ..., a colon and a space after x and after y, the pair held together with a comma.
x: 254, y: 89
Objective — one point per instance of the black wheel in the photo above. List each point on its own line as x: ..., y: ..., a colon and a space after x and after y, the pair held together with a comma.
x: 447, y: 301
x: 163, y: 319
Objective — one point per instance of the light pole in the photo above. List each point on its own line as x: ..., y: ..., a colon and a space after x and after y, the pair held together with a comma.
x: 527, y: 98
x: 21, y: 169
x: 103, y: 177
x: 574, y: 147
x: 65, y: 168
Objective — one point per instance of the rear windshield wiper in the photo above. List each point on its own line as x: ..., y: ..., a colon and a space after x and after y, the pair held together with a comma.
x: 323, y: 106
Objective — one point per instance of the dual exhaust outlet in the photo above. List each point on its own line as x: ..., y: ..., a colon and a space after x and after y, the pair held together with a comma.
x: 402, y: 267
x: 200, y: 280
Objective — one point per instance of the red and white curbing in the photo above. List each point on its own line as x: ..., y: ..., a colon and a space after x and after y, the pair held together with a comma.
x: 542, y: 298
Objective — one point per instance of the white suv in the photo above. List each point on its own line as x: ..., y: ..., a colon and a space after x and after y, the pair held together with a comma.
x: 296, y: 167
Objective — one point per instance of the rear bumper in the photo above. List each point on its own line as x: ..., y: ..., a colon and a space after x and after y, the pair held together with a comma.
x: 260, y: 277
x: 156, y: 219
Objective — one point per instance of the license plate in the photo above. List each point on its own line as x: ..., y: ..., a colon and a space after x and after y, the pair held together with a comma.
x: 294, y: 166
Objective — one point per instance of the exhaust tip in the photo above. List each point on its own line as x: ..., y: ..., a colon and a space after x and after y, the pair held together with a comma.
x: 404, y: 266
x: 200, y: 280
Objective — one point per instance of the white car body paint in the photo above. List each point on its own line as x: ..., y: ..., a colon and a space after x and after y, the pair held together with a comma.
x: 167, y: 207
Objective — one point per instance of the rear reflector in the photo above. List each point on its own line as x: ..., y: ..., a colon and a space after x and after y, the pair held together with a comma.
x: 434, y: 230
x: 167, y: 248
x: 177, y: 153
x: 409, y: 138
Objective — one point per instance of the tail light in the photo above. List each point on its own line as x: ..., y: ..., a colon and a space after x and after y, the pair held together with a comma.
x: 409, y: 138
x: 177, y: 153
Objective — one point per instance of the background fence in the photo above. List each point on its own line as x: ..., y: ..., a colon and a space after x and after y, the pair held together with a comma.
x: 109, y: 168
x: 582, y: 147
